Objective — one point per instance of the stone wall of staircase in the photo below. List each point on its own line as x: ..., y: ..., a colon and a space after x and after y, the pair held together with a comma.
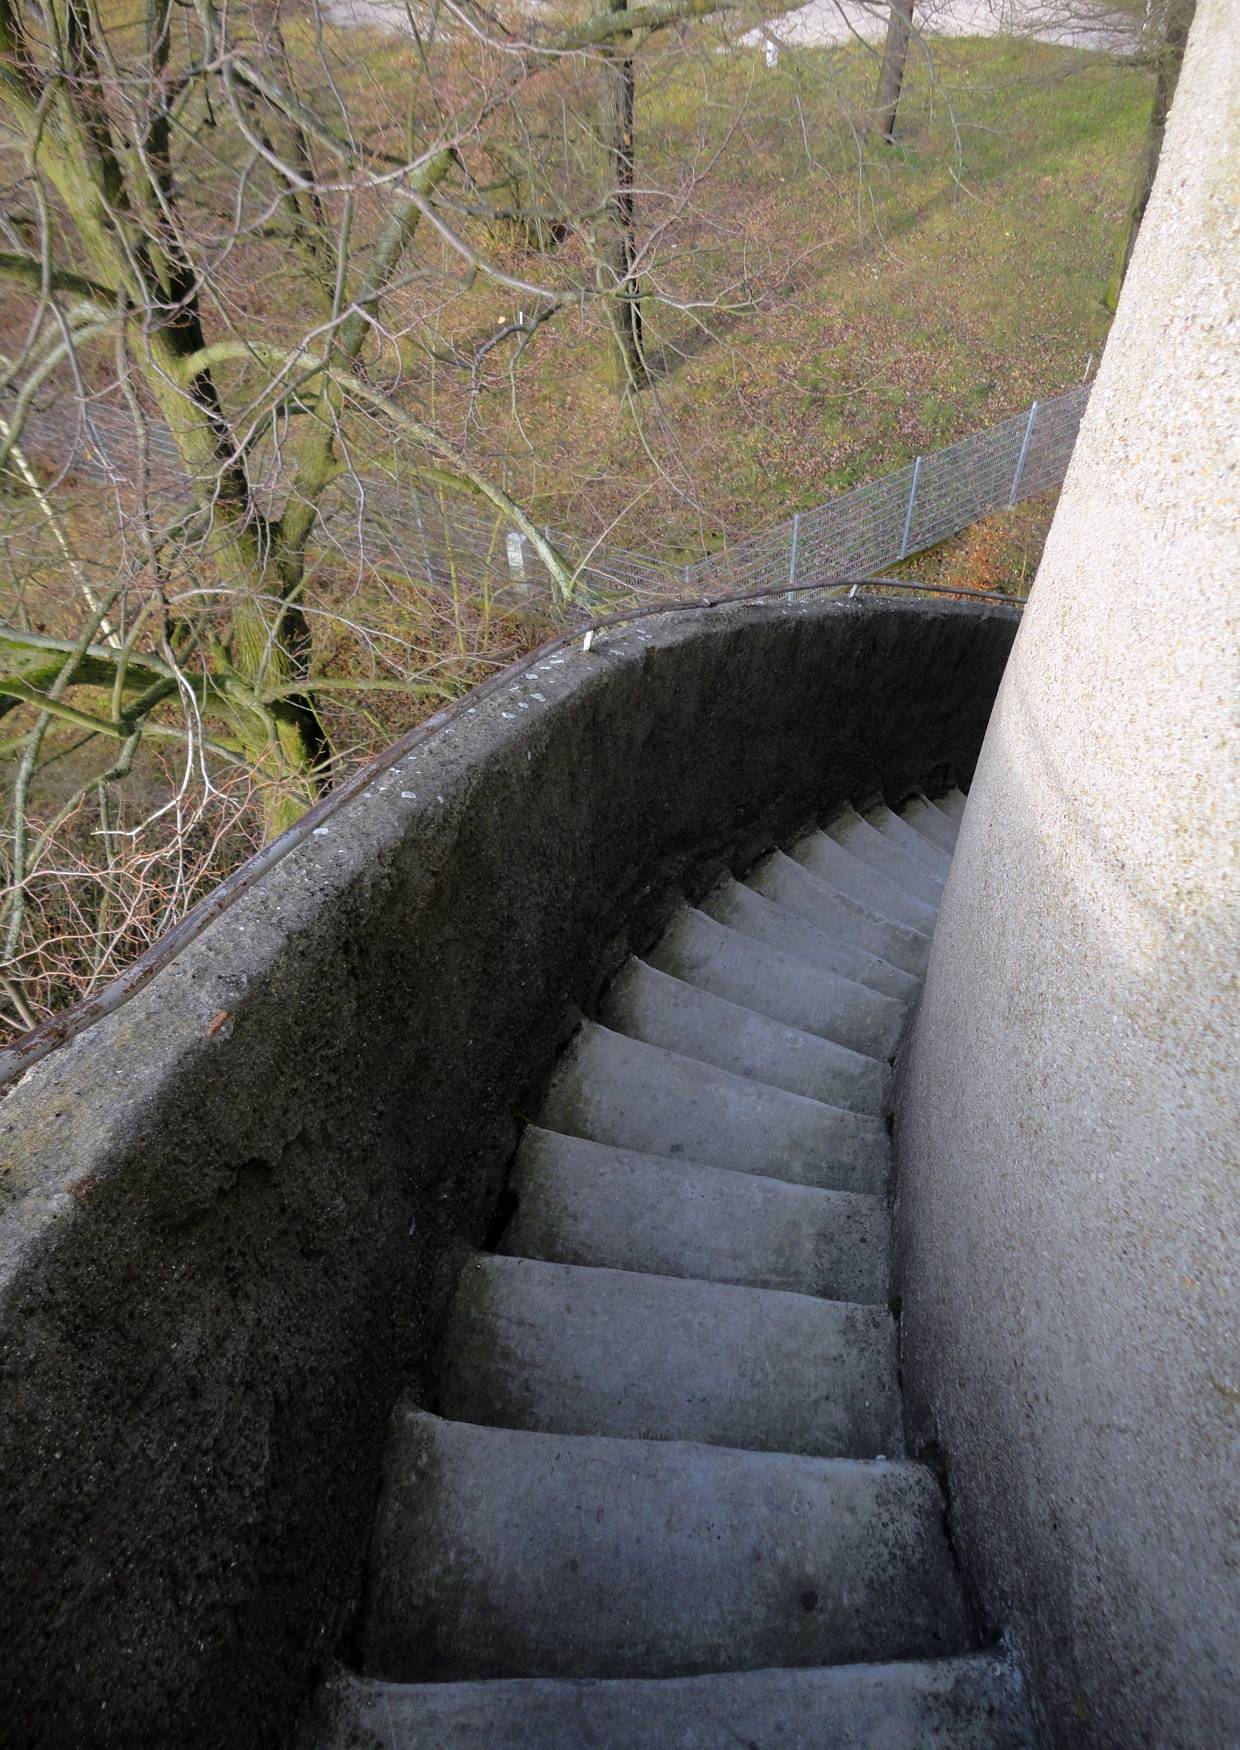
x: 232, y: 1211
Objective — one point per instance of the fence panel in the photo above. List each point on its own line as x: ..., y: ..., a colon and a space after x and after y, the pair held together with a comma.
x: 382, y: 520
x: 1052, y: 441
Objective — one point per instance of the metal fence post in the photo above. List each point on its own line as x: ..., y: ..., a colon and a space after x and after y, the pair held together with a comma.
x: 1024, y: 451
x: 514, y: 543
x: 426, y: 546
x: 851, y: 531
x: 912, y: 500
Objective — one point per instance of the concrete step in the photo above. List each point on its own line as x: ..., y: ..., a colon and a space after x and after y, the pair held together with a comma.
x: 707, y: 954
x: 580, y: 1202
x: 613, y: 1089
x: 500, y: 1553
x: 863, y: 841
x: 816, y: 898
x: 666, y: 1502
x: 889, y: 895
x: 896, y: 830
x: 652, y: 1005
x: 969, y: 1703
x: 952, y: 803
x: 563, y: 1349
x: 750, y: 913
x: 935, y: 826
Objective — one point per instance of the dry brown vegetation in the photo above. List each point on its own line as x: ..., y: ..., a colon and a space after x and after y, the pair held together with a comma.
x: 366, y: 282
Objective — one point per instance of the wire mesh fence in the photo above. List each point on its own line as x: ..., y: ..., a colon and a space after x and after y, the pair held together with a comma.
x: 374, y: 518
x: 417, y: 598
x: 909, y: 510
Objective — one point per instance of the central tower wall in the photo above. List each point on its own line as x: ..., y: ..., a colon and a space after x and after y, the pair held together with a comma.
x: 1068, y: 1186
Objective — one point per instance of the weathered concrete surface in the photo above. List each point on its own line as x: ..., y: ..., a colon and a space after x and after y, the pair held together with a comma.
x: 1068, y: 1194
x: 499, y: 1553
x: 974, y: 1703
x: 583, y: 1203
x: 672, y: 1531
x: 612, y: 1089
x: 706, y: 953
x: 565, y: 1349
x: 224, y: 1243
x: 663, y: 1010
x: 741, y: 908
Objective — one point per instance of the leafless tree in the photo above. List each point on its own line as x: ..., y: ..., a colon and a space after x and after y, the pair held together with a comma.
x: 891, y: 72
x: 620, y: 255
x: 238, y: 245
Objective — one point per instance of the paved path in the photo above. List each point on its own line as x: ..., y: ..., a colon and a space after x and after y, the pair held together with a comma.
x: 830, y: 22
x: 1080, y: 24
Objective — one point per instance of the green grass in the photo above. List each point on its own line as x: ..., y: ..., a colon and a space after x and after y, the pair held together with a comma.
x: 898, y: 297
x: 895, y: 300
x: 913, y: 294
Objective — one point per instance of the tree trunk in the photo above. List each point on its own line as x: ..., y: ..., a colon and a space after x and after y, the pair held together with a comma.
x: 619, y: 252
x: 1177, y: 16
x: 891, y: 73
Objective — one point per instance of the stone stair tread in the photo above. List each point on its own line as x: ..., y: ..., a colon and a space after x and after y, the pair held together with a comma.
x: 660, y: 1009
x: 893, y: 827
x: 952, y: 803
x: 613, y: 1089
x: 745, y: 911
x: 665, y: 1500
x: 971, y: 1702
x: 790, y: 883
x: 931, y: 823
x: 499, y: 1553
x: 697, y: 949
x: 880, y: 888
x: 885, y: 857
x: 581, y: 1202
x: 570, y: 1349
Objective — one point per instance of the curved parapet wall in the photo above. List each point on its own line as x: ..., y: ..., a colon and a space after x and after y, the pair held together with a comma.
x: 1068, y: 1197
x: 232, y: 1209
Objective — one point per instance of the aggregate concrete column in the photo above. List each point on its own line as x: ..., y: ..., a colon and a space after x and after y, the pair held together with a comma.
x: 1067, y: 1215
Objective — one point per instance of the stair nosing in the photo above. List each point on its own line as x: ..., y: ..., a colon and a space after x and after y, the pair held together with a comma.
x: 699, y: 1166
x: 514, y: 1261
x: 743, y: 1009
x: 801, y: 922
x: 870, y: 871
x: 873, y: 1118
x: 771, y: 952
x: 690, y: 1161
x: 671, y: 1448
x: 868, y: 912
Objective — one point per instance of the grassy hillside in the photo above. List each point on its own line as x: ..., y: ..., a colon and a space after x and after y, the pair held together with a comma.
x: 838, y: 308
x: 903, y: 297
